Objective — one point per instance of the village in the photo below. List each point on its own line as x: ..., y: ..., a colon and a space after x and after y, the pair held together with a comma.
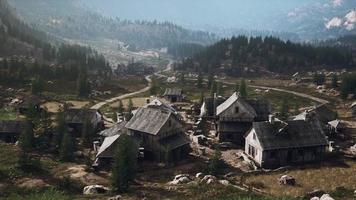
x: 180, y: 135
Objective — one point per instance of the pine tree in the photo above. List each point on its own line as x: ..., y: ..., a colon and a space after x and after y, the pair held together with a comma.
x: 26, y: 140
x: 243, y: 88
x: 154, y: 86
x: 210, y: 80
x: 200, y: 80
x: 87, y: 133
x: 334, y: 81
x: 201, y: 99
x: 284, y: 109
x: 220, y: 89
x: 66, y: 150
x: 83, y: 87
x: 213, y: 89
x: 60, y: 129
x: 120, y: 108
x: 125, y: 163
x: 37, y: 85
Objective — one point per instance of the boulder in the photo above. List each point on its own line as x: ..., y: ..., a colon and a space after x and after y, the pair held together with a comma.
x: 224, y: 182
x: 117, y: 197
x: 315, y: 193
x: 208, y: 179
x: 180, y: 179
x: 180, y: 176
x: 326, y: 197
x: 286, y: 180
x: 199, y: 175
x: 315, y: 198
x: 95, y: 189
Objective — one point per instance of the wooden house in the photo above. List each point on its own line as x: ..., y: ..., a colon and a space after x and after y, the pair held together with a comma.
x: 275, y: 143
x: 75, y: 119
x: 235, y: 117
x: 160, y: 133
x: 10, y: 130
x: 173, y: 94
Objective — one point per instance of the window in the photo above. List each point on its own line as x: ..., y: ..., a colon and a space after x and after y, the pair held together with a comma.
x: 254, y: 136
x: 252, y: 151
x: 236, y: 109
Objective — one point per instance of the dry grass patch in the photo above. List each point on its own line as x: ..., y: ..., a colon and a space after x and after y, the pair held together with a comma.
x: 326, y: 178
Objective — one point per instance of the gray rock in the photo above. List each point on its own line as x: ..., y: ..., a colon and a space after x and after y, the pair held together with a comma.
x: 95, y: 189
x: 286, y: 180
x: 315, y: 198
x: 224, y: 182
x: 199, y: 175
x: 117, y: 197
x: 326, y: 197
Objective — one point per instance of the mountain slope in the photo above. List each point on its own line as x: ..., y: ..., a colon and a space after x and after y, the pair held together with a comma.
x: 71, y: 19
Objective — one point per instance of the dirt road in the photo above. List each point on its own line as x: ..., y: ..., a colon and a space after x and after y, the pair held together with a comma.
x: 124, y: 96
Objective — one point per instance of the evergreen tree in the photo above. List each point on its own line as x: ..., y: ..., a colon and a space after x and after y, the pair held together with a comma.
x: 27, y: 137
x: 37, y: 85
x: 154, y: 86
x: 243, y: 88
x: 201, y: 99
x: 216, y: 165
x: 213, y: 89
x: 334, y: 81
x: 83, y: 87
x: 87, y: 133
x: 220, y: 89
x: 120, y: 108
x: 210, y: 80
x: 200, y: 80
x: 284, y: 109
x: 129, y: 110
x: 44, y: 129
x: 60, y: 129
x: 125, y: 163
x: 67, y: 148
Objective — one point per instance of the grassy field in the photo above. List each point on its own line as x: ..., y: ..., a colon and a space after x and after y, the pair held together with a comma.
x: 7, y: 114
x: 325, y: 177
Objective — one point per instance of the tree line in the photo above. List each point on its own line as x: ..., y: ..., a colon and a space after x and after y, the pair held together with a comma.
x: 233, y: 56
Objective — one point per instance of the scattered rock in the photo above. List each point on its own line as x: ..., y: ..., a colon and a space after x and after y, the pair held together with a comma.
x: 224, y: 182
x: 315, y: 198
x: 199, y: 175
x: 286, y: 180
x: 180, y: 179
x: 95, y: 189
x: 117, y: 197
x: 326, y: 197
x: 208, y: 179
x: 315, y: 193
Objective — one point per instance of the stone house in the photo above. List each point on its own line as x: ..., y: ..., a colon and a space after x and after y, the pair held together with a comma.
x: 236, y: 115
x: 275, y: 143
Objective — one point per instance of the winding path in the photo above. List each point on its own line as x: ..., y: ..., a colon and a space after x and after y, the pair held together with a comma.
x: 124, y: 96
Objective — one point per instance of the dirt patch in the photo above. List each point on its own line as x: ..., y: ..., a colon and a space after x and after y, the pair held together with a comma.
x: 79, y: 173
x: 78, y: 104
x: 31, y: 183
x: 52, y: 107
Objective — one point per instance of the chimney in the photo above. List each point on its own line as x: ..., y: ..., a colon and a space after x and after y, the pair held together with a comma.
x: 271, y: 119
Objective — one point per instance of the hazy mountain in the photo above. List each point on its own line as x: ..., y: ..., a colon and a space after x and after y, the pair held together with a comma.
x: 74, y: 20
x: 307, y: 18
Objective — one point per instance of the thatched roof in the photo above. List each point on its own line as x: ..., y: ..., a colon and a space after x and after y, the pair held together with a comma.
x: 291, y: 134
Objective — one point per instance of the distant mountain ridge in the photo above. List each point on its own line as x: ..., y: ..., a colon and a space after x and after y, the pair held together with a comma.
x: 71, y: 19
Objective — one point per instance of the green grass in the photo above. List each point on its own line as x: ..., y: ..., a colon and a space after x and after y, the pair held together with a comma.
x: 50, y: 194
x: 7, y: 114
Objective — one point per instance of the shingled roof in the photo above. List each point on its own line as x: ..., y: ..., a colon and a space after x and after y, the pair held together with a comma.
x: 231, y: 100
x: 292, y: 134
x: 115, y: 130
x: 158, y: 103
x: 74, y: 115
x: 149, y: 120
x: 173, y: 92
x: 11, y: 126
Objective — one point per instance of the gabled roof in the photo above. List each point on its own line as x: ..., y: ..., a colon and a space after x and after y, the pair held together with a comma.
x: 231, y: 100
x: 12, y: 126
x: 108, y: 141
x: 74, y: 115
x: 337, y: 124
x: 157, y: 103
x: 353, y: 105
x: 115, y: 130
x: 173, y: 92
x: 321, y: 113
x: 149, y: 120
x: 292, y: 134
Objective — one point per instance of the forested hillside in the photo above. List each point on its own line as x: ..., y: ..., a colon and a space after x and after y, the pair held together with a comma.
x: 71, y: 19
x: 238, y: 54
